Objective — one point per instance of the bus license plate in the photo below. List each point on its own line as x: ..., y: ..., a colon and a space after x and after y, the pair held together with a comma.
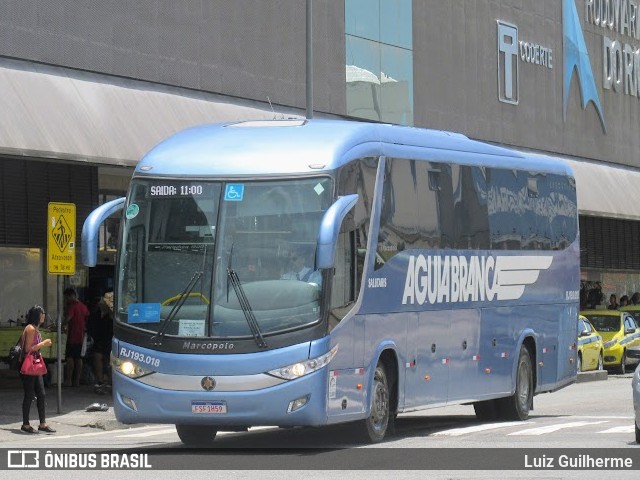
x: 209, y: 407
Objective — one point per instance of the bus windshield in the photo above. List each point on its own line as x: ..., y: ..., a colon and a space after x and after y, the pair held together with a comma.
x: 215, y: 259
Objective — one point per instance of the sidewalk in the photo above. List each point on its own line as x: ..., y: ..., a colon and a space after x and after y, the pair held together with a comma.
x: 75, y: 401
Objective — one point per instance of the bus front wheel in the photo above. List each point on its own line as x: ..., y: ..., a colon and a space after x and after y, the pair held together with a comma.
x: 374, y: 428
x: 196, y: 435
x: 517, y: 406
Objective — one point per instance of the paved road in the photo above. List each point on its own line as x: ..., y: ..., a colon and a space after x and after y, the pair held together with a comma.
x: 585, y: 415
x: 602, y: 408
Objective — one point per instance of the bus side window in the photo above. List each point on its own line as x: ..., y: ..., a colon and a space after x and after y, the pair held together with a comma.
x: 342, y: 289
x: 471, y: 216
x: 356, y: 177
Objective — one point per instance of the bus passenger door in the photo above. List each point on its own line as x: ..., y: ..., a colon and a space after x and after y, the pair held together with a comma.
x: 427, y: 370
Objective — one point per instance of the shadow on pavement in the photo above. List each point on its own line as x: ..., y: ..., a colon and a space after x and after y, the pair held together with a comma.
x: 71, y: 411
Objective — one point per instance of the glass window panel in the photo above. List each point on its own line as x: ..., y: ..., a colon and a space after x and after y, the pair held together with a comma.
x: 359, y: 177
x: 470, y: 208
x: 415, y: 213
x: 396, y: 92
x: 362, y: 18
x: 521, y: 217
x: 20, y: 283
x: 362, y: 77
x: 395, y: 23
x: 379, y: 60
x: 506, y: 202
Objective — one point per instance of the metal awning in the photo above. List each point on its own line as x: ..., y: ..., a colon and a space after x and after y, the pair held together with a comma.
x: 604, y: 189
x: 53, y: 112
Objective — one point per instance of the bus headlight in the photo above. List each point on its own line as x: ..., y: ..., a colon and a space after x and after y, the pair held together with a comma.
x: 128, y: 367
x: 300, y: 369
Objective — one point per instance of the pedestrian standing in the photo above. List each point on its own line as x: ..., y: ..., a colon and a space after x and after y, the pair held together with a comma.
x: 75, y: 326
x: 101, y: 330
x: 33, y: 385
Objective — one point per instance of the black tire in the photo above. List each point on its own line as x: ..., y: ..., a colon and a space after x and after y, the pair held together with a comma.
x: 196, y: 435
x: 601, y: 362
x: 517, y: 406
x: 485, y: 410
x: 579, y: 362
x: 623, y: 363
x: 374, y: 428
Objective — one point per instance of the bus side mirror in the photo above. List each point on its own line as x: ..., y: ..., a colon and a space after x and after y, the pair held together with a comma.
x: 91, y: 228
x: 330, y: 228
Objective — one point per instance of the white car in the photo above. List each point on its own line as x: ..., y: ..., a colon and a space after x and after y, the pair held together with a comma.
x: 634, y: 352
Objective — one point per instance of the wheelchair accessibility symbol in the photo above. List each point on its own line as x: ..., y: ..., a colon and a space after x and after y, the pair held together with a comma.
x: 234, y: 192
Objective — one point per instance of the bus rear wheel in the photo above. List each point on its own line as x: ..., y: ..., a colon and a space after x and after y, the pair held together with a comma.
x: 517, y: 406
x: 196, y: 435
x: 374, y: 428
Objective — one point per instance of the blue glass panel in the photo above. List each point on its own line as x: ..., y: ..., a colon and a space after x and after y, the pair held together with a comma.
x: 396, y: 23
x: 362, y: 18
x: 363, y: 78
x: 396, y: 92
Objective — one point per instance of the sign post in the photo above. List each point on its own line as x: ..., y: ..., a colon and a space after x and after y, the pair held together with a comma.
x: 61, y: 260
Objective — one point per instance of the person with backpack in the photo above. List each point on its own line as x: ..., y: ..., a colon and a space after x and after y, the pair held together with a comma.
x: 33, y: 385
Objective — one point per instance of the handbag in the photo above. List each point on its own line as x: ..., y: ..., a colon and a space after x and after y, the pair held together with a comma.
x: 33, y: 365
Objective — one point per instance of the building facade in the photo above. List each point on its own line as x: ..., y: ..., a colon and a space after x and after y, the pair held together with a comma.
x: 86, y: 88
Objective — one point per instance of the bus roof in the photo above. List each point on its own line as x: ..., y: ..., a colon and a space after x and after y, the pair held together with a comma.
x: 282, y: 147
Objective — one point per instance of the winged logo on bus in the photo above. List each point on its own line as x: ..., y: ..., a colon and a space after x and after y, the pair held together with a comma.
x: 513, y: 273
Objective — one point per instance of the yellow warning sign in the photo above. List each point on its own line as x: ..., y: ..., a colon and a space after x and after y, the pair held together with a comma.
x: 61, y: 238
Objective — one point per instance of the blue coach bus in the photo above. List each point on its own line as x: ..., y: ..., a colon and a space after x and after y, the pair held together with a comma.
x: 445, y: 271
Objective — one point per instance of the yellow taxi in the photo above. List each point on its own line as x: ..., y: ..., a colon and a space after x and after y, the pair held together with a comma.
x: 619, y: 330
x: 590, y: 347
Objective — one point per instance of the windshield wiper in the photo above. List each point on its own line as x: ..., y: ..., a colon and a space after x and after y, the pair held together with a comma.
x: 157, y: 338
x: 246, y: 308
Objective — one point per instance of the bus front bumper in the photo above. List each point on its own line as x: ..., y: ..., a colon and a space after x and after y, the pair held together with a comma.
x: 136, y: 402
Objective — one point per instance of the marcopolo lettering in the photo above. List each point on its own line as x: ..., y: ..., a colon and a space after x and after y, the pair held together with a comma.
x: 452, y: 278
x: 211, y: 346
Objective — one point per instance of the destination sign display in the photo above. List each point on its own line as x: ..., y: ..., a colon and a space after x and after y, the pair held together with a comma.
x: 182, y: 190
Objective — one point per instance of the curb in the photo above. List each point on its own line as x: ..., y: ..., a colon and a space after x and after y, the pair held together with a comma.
x: 594, y: 376
x: 102, y: 421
